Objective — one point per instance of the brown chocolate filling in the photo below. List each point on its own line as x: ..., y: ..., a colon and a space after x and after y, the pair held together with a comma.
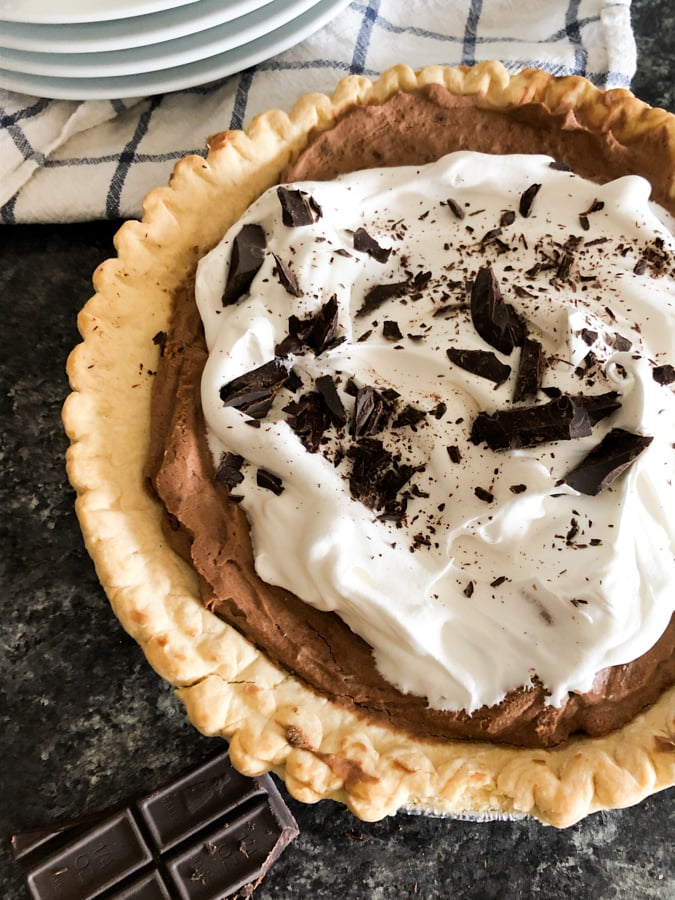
x: 212, y: 532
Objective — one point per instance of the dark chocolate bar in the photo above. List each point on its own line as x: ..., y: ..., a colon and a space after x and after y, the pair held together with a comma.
x: 208, y: 834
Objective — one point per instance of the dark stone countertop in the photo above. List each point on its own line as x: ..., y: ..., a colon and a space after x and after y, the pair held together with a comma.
x: 86, y: 722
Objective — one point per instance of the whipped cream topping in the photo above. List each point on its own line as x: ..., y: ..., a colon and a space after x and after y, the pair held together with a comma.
x: 482, y: 569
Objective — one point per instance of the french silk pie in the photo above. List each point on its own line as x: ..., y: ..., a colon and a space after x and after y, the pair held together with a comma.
x: 373, y: 428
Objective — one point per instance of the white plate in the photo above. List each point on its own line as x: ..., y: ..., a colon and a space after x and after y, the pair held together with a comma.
x: 165, y: 55
x: 190, y: 75
x: 122, y: 34
x: 65, y: 12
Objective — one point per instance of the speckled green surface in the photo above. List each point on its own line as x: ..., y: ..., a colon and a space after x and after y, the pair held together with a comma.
x: 86, y: 722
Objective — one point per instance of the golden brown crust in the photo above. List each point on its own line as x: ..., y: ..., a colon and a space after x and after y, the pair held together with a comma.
x: 228, y: 687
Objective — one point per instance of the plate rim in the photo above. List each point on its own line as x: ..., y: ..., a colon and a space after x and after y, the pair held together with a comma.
x: 58, y: 16
x: 127, y: 87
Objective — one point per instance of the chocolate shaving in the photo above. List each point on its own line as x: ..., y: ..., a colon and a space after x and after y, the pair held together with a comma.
x: 379, y: 294
x: 664, y: 374
x: 298, y: 208
x: 248, y: 253
x: 455, y: 208
x: 367, y: 244
x: 325, y: 385
x: 530, y: 370
x: 270, y: 482
x: 607, y: 461
x: 527, y: 426
x: 495, y: 321
x: 229, y: 470
x: 527, y: 199
x: 254, y: 392
x: 286, y: 277
x: 483, y: 363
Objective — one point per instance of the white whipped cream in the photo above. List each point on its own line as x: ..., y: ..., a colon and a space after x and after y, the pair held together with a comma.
x: 544, y: 582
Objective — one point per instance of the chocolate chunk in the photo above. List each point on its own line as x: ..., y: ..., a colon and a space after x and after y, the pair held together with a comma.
x: 480, y: 362
x: 229, y: 470
x: 248, y: 253
x: 285, y: 275
x: 664, y: 374
x: 409, y: 416
x: 367, y: 244
x: 495, y: 321
x: 391, y: 331
x: 527, y: 199
x: 269, y: 481
x: 607, y: 461
x: 298, y: 208
x: 484, y: 494
x: 253, y: 393
x: 599, y: 406
x: 322, y: 334
x: 328, y: 391
x: 559, y: 166
x: 508, y: 217
x: 159, y: 340
x: 208, y: 834
x: 530, y: 370
x: 588, y: 336
x: 377, y: 476
x: 318, y: 332
x: 309, y: 418
x: 454, y: 453
x: 371, y: 411
x: 621, y: 343
x: 527, y: 426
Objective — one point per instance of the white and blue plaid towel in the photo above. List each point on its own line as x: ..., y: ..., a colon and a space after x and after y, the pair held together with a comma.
x: 66, y: 161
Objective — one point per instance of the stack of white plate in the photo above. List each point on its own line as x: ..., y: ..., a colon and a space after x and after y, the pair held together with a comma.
x: 105, y: 49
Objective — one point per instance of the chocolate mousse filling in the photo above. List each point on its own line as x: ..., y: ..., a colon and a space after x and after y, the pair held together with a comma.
x: 204, y: 522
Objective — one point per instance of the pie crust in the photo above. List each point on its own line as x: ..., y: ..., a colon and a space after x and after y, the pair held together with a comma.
x: 229, y: 688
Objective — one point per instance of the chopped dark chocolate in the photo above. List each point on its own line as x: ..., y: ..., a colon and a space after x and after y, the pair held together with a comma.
x: 664, y: 374
x: 371, y: 412
x: 367, y: 244
x: 409, y: 417
x: 253, y: 392
x: 599, y: 406
x: 391, y: 331
x: 454, y: 453
x: 621, y: 343
x: 495, y: 321
x: 377, y: 476
x: 530, y: 370
x: 527, y: 199
x: 480, y: 362
x: 325, y: 385
x: 318, y: 332
x: 508, y: 217
x: 208, y: 834
x: 248, y: 254
x: 484, y: 494
x: 285, y: 275
x: 607, y: 461
x: 269, y: 481
x: 562, y: 419
x: 229, y: 470
x: 298, y: 208
x: 309, y: 418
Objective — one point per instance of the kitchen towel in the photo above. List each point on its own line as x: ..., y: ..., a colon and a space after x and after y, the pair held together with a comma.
x: 67, y: 161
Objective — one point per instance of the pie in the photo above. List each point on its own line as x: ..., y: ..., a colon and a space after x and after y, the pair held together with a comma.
x: 161, y: 505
